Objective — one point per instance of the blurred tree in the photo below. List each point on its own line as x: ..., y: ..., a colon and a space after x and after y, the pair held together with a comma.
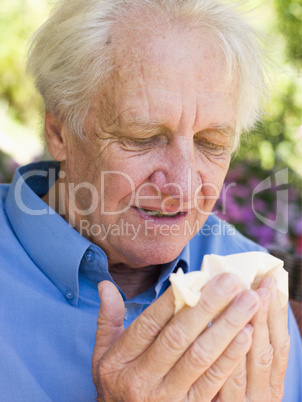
x: 275, y: 142
x: 20, y: 105
x: 289, y: 22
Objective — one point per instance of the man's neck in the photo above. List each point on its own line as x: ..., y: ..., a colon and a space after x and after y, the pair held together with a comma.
x: 134, y: 281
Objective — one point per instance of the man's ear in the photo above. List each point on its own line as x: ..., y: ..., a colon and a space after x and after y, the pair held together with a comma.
x: 55, y: 135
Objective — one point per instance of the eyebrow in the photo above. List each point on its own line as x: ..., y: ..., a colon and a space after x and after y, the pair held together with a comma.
x: 225, y: 129
x: 150, y: 127
x: 145, y: 127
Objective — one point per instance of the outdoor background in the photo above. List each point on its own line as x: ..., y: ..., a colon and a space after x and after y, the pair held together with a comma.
x: 275, y: 144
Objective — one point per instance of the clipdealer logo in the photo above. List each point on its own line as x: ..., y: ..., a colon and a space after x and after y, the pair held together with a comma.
x: 149, y: 229
x: 280, y: 181
x: 97, y: 201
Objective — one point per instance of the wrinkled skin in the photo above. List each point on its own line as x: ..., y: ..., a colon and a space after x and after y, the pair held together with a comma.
x: 166, y: 111
x: 162, y: 357
x: 165, y: 119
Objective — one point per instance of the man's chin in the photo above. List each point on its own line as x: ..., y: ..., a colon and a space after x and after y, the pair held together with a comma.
x: 153, y: 257
x: 142, y: 251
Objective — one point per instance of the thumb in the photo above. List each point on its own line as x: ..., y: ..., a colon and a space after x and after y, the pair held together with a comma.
x: 110, y: 322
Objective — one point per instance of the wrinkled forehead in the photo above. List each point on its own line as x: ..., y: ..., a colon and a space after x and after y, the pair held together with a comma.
x: 157, y: 64
x: 174, y: 52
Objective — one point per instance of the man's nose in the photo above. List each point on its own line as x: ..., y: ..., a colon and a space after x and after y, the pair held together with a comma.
x: 177, y: 175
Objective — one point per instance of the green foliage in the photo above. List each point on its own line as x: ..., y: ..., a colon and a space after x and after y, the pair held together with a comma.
x: 275, y: 143
x: 289, y: 14
x: 18, y: 99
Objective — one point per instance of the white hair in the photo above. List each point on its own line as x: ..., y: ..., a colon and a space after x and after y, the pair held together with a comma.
x: 70, y: 55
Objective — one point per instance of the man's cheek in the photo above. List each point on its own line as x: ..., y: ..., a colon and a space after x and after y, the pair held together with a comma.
x: 205, y: 199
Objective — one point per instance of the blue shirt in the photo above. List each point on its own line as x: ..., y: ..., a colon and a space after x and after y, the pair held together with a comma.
x: 49, y: 298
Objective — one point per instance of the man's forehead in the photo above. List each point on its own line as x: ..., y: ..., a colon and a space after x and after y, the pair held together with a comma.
x: 146, y: 110
x: 151, y: 82
x: 165, y: 49
x: 144, y: 126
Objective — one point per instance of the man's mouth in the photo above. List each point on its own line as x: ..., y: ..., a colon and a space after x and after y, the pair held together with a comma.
x: 160, y: 213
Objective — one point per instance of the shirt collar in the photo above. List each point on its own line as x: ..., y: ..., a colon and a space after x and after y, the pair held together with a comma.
x: 55, y: 247
x: 182, y: 261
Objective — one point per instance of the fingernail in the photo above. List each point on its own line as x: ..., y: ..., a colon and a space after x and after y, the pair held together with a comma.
x: 274, y: 291
x: 100, y: 290
x: 263, y: 293
x: 267, y: 282
x: 103, y: 292
x: 227, y: 283
x: 247, y: 300
x: 245, y: 334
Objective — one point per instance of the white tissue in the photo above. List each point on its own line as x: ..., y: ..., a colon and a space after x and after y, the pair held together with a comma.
x: 250, y: 267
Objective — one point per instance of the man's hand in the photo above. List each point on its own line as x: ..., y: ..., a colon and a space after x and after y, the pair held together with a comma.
x: 264, y: 369
x: 165, y: 357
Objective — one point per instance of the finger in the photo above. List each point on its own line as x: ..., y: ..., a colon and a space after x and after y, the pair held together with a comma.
x: 188, y: 324
x: 279, y: 338
x: 234, y: 389
x: 260, y: 357
x: 142, y: 332
x: 110, y: 322
x: 277, y: 318
x: 211, y: 343
x: 231, y: 365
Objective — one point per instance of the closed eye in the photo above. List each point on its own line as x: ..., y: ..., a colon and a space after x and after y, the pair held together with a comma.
x: 211, y: 148
x: 214, y: 142
x: 139, y: 143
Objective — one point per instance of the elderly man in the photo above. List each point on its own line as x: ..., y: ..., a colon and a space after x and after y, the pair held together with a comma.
x: 145, y: 101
